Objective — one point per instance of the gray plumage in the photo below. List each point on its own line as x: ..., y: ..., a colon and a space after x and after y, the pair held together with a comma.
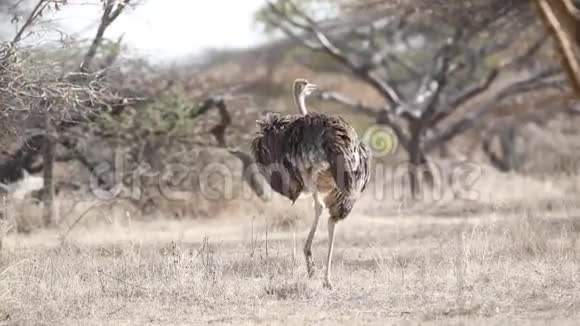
x: 313, y: 153
x: 295, y: 152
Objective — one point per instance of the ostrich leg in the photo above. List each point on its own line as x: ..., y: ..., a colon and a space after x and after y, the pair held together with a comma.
x: 331, y: 225
x: 308, y: 244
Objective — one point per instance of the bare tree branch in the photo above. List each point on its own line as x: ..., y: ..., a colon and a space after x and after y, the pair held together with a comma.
x: 358, y: 107
x: 474, y: 117
x: 475, y: 89
x: 483, y: 85
x: 387, y: 90
x: 355, y: 105
x: 111, y: 11
x: 32, y: 17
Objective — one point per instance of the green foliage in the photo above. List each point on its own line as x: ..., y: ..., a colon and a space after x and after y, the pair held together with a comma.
x: 168, y: 115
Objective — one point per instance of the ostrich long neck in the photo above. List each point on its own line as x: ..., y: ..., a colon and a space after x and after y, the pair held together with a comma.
x: 299, y: 101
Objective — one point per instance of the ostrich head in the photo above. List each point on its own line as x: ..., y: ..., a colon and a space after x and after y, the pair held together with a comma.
x: 303, y: 86
x: 301, y: 89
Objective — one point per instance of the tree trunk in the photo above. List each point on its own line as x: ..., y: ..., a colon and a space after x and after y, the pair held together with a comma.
x: 90, y: 55
x: 419, y: 170
x: 48, y: 164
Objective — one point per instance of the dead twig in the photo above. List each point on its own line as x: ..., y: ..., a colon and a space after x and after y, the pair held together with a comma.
x: 74, y: 224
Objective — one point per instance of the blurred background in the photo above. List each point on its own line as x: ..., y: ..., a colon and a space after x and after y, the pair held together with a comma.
x: 127, y: 104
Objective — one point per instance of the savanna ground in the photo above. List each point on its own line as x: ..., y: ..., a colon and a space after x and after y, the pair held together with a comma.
x: 511, y: 256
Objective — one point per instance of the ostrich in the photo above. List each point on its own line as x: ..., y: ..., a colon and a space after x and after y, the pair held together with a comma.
x: 317, y: 154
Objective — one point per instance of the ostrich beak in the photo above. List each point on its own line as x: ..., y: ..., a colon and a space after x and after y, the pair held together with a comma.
x: 310, y: 87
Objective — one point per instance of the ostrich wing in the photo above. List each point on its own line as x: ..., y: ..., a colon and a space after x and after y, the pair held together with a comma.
x: 268, y: 149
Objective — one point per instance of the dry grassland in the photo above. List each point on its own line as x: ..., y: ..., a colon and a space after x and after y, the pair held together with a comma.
x: 479, y: 263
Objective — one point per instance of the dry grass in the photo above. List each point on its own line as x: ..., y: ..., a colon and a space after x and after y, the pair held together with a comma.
x: 465, y: 266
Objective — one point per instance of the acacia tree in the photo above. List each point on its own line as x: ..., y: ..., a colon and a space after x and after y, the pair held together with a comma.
x: 438, y: 77
x: 41, y: 98
x: 560, y: 17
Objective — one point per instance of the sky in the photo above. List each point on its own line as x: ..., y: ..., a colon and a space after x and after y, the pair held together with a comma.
x: 171, y: 29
